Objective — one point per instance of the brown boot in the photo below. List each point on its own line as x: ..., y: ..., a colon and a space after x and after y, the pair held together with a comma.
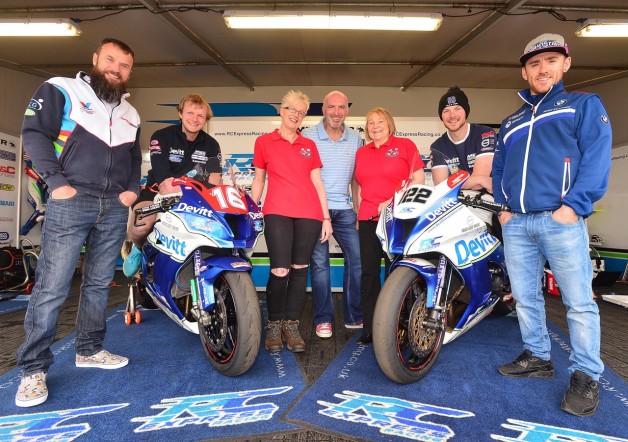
x: 273, y: 337
x: 290, y: 332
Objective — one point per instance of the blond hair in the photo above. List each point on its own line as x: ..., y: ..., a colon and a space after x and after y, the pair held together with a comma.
x: 295, y: 97
x: 199, y: 101
x: 387, y: 116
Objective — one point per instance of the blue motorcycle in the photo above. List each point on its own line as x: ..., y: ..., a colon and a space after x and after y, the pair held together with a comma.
x: 195, y: 269
x: 447, y: 274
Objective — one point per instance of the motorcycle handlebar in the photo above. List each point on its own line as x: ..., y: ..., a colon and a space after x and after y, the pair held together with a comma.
x: 163, y: 205
x: 477, y: 201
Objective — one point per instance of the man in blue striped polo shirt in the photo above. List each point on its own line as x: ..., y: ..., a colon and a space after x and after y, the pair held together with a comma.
x: 337, y: 145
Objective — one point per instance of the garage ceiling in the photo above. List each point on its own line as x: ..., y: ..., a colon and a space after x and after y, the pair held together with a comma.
x: 188, y: 44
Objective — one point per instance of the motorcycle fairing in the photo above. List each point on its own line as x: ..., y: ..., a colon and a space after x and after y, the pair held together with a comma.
x: 239, y: 214
x: 427, y: 270
x: 225, y: 198
x: 415, y: 224
x: 187, y: 225
x: 469, y: 322
x: 163, y: 280
x: 193, y: 222
x: 165, y: 303
x: 416, y: 210
x: 481, y: 286
x: 168, y: 307
x: 211, y: 268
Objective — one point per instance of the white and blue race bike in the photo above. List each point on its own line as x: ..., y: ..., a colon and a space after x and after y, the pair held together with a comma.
x: 447, y: 274
x: 196, y: 270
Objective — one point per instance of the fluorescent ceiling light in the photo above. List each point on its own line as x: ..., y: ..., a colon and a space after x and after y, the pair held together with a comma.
x: 61, y: 27
x: 403, y: 21
x: 603, y: 28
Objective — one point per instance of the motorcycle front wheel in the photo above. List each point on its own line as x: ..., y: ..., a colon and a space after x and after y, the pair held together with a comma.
x: 404, y: 347
x: 231, y: 335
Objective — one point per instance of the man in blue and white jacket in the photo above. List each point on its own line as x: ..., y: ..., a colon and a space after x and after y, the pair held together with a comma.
x: 83, y: 138
x: 551, y: 164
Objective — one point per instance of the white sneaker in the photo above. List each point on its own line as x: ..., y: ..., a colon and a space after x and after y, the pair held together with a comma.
x: 32, y: 390
x: 103, y: 359
x: 324, y: 330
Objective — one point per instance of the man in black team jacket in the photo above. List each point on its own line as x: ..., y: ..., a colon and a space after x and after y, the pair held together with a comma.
x: 175, y: 151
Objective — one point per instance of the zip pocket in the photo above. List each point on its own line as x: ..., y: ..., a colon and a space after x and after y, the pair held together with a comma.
x: 501, y: 183
x: 67, y: 153
x: 566, y: 177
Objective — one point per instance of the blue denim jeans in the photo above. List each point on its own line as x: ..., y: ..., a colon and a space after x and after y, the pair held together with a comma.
x: 530, y: 240
x: 100, y: 225
x: 343, y: 222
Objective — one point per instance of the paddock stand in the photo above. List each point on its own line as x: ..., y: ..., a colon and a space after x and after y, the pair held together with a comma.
x: 131, y: 314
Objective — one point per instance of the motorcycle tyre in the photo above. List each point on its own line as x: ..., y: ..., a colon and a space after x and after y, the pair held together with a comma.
x: 386, y: 320
x: 247, y: 328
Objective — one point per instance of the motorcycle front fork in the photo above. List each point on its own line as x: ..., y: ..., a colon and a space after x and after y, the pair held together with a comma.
x: 436, y: 312
x: 201, y: 296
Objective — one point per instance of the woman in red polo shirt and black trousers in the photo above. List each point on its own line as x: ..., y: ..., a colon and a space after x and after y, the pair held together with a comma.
x: 380, y: 168
x: 295, y: 217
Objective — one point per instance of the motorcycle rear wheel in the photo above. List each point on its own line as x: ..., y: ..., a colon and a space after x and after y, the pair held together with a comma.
x: 404, y: 348
x: 232, y: 338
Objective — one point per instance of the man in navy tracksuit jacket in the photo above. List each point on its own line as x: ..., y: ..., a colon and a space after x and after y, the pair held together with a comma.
x: 551, y: 164
x: 82, y: 136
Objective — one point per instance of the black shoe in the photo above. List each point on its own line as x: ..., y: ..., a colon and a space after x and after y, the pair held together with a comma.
x: 527, y: 366
x: 366, y: 338
x: 583, y: 395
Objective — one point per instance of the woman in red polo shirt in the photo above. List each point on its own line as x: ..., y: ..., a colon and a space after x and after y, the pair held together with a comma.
x: 295, y: 217
x: 380, y: 168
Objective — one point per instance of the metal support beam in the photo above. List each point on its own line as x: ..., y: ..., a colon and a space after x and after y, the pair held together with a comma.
x: 493, y: 18
x: 181, y: 27
x: 38, y: 68
x: 309, y: 5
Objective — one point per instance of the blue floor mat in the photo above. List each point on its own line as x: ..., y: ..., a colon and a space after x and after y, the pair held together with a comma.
x: 169, y: 391
x: 13, y: 302
x: 463, y: 398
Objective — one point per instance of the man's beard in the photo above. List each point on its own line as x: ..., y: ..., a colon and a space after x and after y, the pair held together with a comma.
x: 333, y: 124
x: 104, y: 90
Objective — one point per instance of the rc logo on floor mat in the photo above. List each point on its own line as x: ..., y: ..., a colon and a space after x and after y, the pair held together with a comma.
x: 403, y: 418
x: 47, y: 426
x: 213, y: 410
x: 396, y: 417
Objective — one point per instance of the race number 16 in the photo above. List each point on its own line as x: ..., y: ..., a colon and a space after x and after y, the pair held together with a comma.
x: 231, y: 199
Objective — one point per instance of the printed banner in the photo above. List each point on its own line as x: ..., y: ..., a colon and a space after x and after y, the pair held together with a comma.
x: 9, y: 151
x: 237, y: 135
